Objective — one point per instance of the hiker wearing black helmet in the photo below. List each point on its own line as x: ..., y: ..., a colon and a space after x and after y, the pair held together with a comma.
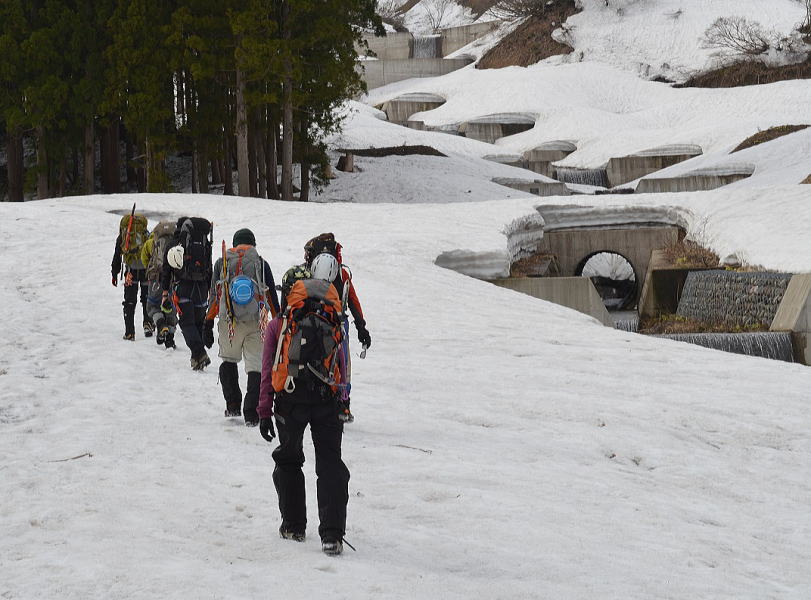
x: 185, y: 277
x: 243, y: 296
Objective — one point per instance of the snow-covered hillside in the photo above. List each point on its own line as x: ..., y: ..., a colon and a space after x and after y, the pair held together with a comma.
x: 662, y: 38
x: 605, y: 111
x: 504, y: 447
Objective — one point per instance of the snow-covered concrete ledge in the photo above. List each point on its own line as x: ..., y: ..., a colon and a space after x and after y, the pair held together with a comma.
x: 557, y: 217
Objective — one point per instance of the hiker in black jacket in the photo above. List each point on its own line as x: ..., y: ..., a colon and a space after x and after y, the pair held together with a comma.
x: 185, y: 277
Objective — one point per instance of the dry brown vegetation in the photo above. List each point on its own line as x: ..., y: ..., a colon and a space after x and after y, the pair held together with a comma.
x: 394, y: 151
x: 806, y: 180
x: 670, y: 323
x: 749, y: 73
x: 531, y: 41
x: 768, y: 135
x: 685, y: 253
x: 534, y: 266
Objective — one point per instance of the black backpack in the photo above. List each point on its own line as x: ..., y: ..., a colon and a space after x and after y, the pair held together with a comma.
x: 196, y: 235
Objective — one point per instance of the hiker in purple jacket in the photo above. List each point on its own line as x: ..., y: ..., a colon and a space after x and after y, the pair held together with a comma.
x: 312, y: 401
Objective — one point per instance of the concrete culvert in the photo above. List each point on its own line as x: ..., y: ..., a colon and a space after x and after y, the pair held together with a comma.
x: 614, y: 277
x: 399, y: 110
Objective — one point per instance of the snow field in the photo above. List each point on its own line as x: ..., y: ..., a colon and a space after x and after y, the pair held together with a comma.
x: 504, y: 447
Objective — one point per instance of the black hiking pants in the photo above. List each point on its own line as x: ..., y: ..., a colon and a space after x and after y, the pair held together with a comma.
x: 139, y: 282
x: 192, y: 299
x: 332, y: 475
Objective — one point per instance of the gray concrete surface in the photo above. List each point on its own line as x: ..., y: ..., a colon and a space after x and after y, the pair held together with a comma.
x: 378, y: 73
x: 540, y: 158
x: 400, y: 109
x: 687, y: 183
x: 794, y: 315
x: 623, y: 169
x: 534, y: 186
x: 577, y: 293
x: 394, y: 46
x: 456, y: 38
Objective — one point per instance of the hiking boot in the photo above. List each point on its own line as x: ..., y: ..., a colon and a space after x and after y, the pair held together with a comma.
x: 200, y: 362
x: 169, y: 342
x: 233, y: 412
x: 251, y: 423
x: 332, y: 547
x: 161, y: 337
x: 290, y: 534
x: 148, y: 328
x: 129, y: 336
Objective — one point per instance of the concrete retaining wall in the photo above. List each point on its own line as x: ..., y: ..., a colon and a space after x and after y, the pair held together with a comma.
x: 399, y: 110
x: 539, y: 188
x: 732, y: 297
x: 455, y: 38
x: 394, y: 46
x: 794, y: 315
x: 577, y: 293
x: 378, y: 73
x: 663, y: 286
x: 687, y: 183
x: 628, y: 168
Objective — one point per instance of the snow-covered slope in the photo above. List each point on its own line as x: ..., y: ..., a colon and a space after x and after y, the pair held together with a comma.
x: 504, y: 447
x: 607, y: 112
x: 662, y: 38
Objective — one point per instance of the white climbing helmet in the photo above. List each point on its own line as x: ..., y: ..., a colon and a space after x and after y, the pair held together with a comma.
x: 324, y: 266
x: 175, y: 257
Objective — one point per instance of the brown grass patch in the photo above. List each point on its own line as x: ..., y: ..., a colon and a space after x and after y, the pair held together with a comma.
x: 749, y: 73
x: 761, y: 137
x: 531, y: 41
x: 806, y: 180
x: 687, y: 254
x: 535, y: 266
x: 670, y: 323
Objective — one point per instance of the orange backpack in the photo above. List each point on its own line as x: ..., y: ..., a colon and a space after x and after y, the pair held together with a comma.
x: 310, y: 338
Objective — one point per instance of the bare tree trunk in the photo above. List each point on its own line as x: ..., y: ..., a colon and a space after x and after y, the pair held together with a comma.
x: 16, y: 170
x: 287, y: 141
x: 194, y: 161
x: 271, y: 158
x: 216, y: 171
x: 228, y: 174
x: 111, y: 180
x: 202, y: 171
x: 149, y: 170
x: 89, y: 158
x: 258, y: 140
x: 129, y: 157
x: 304, y: 194
x: 74, y: 167
x: 63, y: 169
x: 252, y: 170
x: 243, y: 161
x: 43, y: 190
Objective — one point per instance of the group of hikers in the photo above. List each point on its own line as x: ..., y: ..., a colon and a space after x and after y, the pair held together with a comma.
x: 295, y: 348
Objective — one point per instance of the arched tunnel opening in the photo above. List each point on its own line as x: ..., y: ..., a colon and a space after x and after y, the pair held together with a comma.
x: 613, y: 276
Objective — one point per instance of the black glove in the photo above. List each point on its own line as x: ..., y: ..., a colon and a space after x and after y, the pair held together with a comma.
x: 363, y: 334
x: 167, y: 306
x: 208, y: 333
x: 266, y: 429
x: 115, y: 280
